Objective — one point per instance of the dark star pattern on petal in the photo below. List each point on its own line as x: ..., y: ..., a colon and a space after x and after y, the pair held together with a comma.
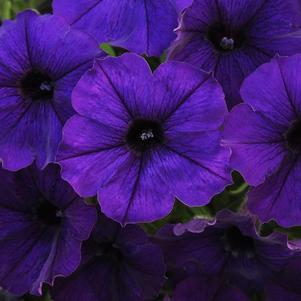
x: 140, y: 148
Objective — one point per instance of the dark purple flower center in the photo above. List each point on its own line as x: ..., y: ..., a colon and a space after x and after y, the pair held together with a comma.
x: 47, y: 214
x: 238, y: 243
x: 36, y: 85
x: 109, y: 250
x: 144, y: 134
x: 225, y: 40
x: 293, y: 137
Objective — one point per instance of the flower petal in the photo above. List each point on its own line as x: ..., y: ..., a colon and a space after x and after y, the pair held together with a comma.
x: 278, y: 197
x: 175, y: 99
x: 145, y: 27
x: 250, y: 134
x: 207, y: 289
x: 137, y: 275
x: 30, y: 247
x: 92, y: 156
x: 114, y: 91
x: 274, y: 99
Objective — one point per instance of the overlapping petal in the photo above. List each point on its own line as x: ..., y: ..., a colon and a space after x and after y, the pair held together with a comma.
x: 278, y: 197
x: 260, y: 140
x: 229, y: 248
x: 144, y: 27
x: 253, y: 135
x: 135, y: 273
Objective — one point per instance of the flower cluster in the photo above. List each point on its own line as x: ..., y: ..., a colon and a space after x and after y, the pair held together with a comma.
x: 128, y: 128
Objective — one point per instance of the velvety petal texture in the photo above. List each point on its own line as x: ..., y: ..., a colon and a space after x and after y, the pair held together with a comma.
x: 264, y: 135
x: 232, y: 38
x: 207, y: 289
x: 118, y: 264
x: 286, y: 285
x: 42, y: 225
x: 229, y: 250
x: 41, y: 60
x: 139, y: 139
x: 143, y: 26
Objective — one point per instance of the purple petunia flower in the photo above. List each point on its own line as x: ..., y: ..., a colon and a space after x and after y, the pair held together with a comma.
x: 143, y: 26
x: 118, y: 264
x: 230, y: 251
x: 233, y: 37
x: 41, y: 60
x: 264, y: 135
x: 207, y: 289
x: 141, y: 139
x: 42, y: 225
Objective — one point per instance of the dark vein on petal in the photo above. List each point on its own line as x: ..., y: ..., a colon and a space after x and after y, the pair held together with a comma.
x: 239, y: 65
x: 220, y: 15
x: 287, y: 91
x: 73, y: 69
x: 218, y: 59
x: 7, y: 68
x: 92, y: 152
x: 185, y: 98
x: 51, y: 258
x: 116, y: 92
x: 259, y: 50
x: 192, y: 31
x: 56, y: 113
x: 29, y: 249
x: 27, y: 41
x: 5, y: 206
x: 134, y: 189
x: 13, y: 126
x: 195, y: 162
x: 283, y: 183
x: 147, y: 26
x: 255, y: 13
x: 69, y: 203
x: 262, y: 142
x: 8, y: 96
x: 85, y: 12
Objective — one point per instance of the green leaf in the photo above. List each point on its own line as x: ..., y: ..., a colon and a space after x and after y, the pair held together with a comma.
x: 108, y: 49
x: 6, y: 10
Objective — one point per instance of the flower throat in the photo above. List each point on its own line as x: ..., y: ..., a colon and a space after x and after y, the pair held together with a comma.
x: 36, y: 85
x: 225, y: 40
x: 144, y: 134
